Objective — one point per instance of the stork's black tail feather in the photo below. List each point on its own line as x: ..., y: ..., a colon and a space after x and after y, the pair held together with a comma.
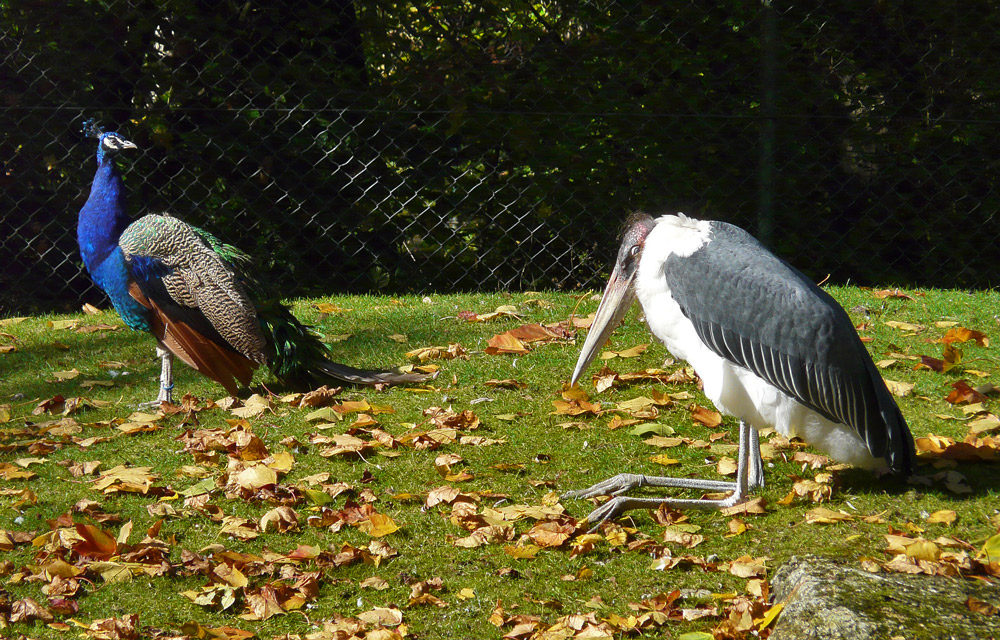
x: 298, y: 358
x: 900, y: 451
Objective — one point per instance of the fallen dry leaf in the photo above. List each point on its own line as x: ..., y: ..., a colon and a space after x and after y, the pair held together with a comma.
x: 882, y: 294
x: 707, y: 417
x: 963, y: 334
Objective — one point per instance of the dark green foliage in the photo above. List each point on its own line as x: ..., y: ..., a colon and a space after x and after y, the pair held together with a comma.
x: 455, y: 145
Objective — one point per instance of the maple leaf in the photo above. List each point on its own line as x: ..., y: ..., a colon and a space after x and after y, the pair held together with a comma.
x: 94, y: 543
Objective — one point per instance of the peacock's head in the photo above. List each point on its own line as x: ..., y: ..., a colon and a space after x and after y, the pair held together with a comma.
x: 109, y: 143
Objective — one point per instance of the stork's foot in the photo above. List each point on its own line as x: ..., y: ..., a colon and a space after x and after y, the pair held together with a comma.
x: 619, y: 484
x: 618, y: 505
x: 611, y: 487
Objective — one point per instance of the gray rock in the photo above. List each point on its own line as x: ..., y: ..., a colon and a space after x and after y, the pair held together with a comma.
x: 837, y: 601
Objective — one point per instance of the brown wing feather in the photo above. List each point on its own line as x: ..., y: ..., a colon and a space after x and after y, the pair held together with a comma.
x: 205, y: 356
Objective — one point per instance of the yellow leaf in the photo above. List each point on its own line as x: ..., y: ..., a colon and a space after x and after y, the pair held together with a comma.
x: 923, y: 550
x: 66, y: 375
x: 905, y: 326
x: 465, y: 594
x: 991, y: 549
x: 945, y: 516
x: 326, y: 307
x: 770, y: 616
x: 524, y: 552
x: 665, y: 460
x: 378, y: 525
x: 822, y: 515
x: 257, y: 476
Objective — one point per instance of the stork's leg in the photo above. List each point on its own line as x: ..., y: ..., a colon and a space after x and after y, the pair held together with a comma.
x: 166, y: 378
x: 756, y: 478
x: 748, y: 457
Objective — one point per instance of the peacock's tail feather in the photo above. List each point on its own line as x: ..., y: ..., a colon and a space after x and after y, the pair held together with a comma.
x: 298, y: 359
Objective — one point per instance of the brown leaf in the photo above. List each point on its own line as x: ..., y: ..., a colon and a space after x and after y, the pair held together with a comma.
x: 707, y: 417
x: 631, y: 352
x: 27, y: 610
x: 95, y: 543
x: 575, y: 402
x: 507, y: 383
x: 882, y: 294
x: 282, y: 519
x: 962, y: 393
x: 754, y: 506
x: 980, y: 606
x: 551, y: 533
x: 504, y: 343
x: 124, y: 628
x: 374, y: 582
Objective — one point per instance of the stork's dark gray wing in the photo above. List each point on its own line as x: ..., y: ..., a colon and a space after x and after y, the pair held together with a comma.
x: 757, y: 311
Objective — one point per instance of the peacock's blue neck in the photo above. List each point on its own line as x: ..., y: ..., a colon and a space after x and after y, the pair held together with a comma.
x: 101, y: 222
x: 102, y: 219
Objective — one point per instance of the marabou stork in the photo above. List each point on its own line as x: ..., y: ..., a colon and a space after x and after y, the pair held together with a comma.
x: 771, y: 347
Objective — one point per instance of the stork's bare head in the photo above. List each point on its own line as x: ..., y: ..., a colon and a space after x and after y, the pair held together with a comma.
x: 619, y: 292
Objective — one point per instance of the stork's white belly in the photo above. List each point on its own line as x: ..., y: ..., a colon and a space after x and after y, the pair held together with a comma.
x: 739, y: 392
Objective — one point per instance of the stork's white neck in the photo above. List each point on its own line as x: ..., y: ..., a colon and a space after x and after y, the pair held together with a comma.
x: 673, y: 235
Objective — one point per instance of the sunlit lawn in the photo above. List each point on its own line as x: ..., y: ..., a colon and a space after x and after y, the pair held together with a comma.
x: 521, y: 452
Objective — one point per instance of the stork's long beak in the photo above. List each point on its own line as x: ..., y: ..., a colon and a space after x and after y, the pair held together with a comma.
x: 618, y: 297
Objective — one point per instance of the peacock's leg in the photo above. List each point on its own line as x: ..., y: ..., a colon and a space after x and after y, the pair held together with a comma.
x: 166, y: 375
x: 166, y: 378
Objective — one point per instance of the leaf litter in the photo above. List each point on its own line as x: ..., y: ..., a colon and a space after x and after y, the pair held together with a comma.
x: 242, y: 463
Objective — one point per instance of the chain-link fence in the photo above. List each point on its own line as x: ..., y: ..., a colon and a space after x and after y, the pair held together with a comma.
x: 458, y: 145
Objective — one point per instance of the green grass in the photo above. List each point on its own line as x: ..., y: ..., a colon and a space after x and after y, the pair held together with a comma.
x: 553, y: 458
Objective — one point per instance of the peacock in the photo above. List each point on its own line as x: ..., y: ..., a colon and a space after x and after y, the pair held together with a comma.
x: 196, y: 294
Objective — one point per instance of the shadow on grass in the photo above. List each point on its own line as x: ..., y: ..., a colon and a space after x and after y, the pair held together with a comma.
x: 982, y: 477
